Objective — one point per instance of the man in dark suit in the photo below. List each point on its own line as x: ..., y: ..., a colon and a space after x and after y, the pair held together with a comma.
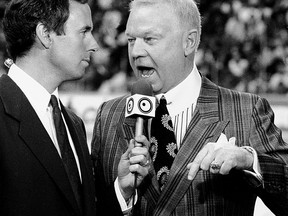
x: 50, y: 42
x: 228, y: 150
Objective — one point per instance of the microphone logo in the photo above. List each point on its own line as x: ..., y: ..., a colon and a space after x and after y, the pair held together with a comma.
x: 145, y: 105
x: 130, y: 105
x: 140, y: 105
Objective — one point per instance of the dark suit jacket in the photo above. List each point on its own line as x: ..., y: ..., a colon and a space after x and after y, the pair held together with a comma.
x: 247, y: 117
x: 33, y: 181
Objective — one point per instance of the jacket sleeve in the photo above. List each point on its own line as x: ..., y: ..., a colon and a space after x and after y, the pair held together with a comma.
x: 272, y: 152
x: 107, y: 202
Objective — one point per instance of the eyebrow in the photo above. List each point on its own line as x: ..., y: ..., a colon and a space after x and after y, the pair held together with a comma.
x: 148, y: 32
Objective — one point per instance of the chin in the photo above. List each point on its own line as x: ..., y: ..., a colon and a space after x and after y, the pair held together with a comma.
x: 77, y: 76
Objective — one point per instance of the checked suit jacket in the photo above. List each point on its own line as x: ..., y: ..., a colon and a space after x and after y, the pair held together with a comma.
x: 33, y: 181
x: 245, y: 116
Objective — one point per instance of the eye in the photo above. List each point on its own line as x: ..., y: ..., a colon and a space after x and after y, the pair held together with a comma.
x: 131, y: 40
x: 84, y: 32
x: 149, y: 40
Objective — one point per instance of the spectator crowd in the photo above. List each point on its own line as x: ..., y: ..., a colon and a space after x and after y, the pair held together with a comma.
x: 244, y: 46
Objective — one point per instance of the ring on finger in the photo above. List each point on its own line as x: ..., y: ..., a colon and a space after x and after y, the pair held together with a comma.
x: 215, y: 166
x: 146, y: 164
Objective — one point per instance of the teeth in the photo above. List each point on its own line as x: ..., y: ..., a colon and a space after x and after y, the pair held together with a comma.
x: 147, y: 73
x: 145, y: 76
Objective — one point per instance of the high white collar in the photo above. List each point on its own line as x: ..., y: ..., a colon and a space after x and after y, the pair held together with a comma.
x: 184, y: 94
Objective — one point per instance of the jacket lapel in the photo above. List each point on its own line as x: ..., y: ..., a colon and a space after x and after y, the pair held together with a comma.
x: 35, y: 136
x: 204, y: 127
x: 126, y: 130
x: 79, y: 141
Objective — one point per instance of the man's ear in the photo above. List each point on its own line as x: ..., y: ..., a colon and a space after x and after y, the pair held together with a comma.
x: 190, y: 42
x: 43, y: 36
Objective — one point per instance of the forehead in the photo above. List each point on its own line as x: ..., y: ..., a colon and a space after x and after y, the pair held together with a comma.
x: 80, y: 15
x: 156, y: 17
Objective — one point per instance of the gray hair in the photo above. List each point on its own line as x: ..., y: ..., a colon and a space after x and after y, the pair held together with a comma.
x: 187, y: 11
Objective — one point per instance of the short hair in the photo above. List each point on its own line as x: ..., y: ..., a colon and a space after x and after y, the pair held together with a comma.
x: 187, y: 11
x: 21, y: 18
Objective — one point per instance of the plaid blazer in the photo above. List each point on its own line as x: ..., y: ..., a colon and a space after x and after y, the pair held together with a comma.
x: 245, y: 116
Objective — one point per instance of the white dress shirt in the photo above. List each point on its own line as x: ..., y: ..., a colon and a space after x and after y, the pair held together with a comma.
x: 181, y: 102
x: 39, y: 99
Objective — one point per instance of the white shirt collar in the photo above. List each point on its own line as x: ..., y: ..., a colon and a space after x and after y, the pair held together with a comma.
x: 36, y: 94
x: 184, y: 94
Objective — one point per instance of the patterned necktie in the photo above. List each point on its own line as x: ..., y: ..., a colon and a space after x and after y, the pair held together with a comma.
x: 163, y: 147
x: 67, y: 155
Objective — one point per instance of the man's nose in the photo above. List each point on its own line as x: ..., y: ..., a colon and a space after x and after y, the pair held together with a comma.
x: 138, y: 48
x: 94, y: 47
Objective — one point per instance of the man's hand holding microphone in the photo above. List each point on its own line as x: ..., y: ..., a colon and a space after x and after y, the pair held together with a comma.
x: 135, y: 162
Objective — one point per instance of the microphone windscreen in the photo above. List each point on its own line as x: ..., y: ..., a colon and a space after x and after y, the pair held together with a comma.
x: 142, y: 87
x: 141, y: 103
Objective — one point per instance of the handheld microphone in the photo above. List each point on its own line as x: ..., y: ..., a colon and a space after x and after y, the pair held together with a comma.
x: 141, y: 104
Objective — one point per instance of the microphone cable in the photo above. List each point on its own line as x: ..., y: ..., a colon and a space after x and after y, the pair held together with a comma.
x: 134, y: 193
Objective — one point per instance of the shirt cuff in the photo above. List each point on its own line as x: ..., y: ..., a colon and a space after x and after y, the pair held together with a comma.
x: 256, y: 168
x: 125, y: 206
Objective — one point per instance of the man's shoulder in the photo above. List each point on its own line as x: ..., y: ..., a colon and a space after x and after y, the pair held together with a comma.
x: 236, y: 93
x: 115, y: 103
x: 226, y: 93
x: 112, y: 110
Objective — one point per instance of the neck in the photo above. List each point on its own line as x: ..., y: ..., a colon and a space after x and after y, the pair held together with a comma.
x: 39, y: 71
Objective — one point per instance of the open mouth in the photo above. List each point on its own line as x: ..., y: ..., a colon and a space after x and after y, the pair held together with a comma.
x: 145, y: 71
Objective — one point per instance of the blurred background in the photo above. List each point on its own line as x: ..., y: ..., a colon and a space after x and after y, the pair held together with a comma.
x: 244, y: 47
